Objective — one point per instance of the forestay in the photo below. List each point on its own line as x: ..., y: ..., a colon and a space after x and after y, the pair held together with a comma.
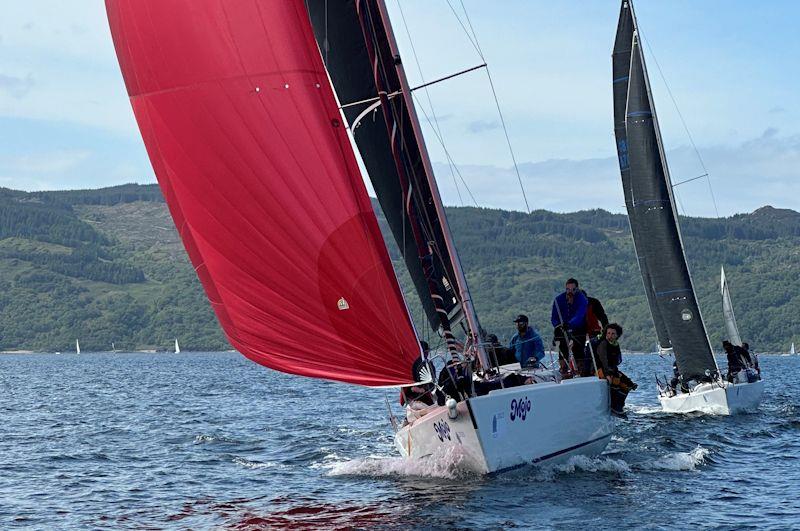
x: 653, y: 217
x: 245, y: 138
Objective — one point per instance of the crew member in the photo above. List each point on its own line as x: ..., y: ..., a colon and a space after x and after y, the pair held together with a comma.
x: 569, y: 324
x: 596, y: 318
x: 609, y: 358
x: 526, y: 344
x: 502, y: 355
x: 738, y: 359
x: 752, y: 356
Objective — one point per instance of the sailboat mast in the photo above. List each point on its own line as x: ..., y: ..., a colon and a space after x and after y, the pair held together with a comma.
x: 463, y: 291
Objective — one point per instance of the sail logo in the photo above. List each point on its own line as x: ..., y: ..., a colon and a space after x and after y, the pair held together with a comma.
x: 342, y: 304
x: 520, y: 408
x: 442, y: 429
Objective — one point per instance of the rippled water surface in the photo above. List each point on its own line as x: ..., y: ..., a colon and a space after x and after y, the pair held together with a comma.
x: 209, y: 440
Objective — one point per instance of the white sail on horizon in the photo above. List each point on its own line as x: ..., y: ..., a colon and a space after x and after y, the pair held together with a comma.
x: 77, y: 347
x: 177, y: 347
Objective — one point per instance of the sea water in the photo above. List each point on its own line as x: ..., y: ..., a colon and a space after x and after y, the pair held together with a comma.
x: 209, y: 440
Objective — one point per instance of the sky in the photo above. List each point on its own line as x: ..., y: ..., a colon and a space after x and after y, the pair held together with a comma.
x: 731, y: 66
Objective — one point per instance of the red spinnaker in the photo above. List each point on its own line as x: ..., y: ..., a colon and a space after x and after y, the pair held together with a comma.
x: 244, y: 134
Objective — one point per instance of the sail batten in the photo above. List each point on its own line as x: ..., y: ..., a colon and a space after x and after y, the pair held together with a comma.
x: 245, y: 137
x: 652, y: 212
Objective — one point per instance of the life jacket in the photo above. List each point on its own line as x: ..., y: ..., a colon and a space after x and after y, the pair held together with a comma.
x: 614, y: 354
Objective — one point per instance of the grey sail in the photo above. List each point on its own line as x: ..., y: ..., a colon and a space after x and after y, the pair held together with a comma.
x: 654, y: 225
x: 341, y: 39
x: 727, y: 310
x: 621, y: 65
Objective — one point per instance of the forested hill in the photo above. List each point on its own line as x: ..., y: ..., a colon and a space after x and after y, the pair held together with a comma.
x: 107, y: 266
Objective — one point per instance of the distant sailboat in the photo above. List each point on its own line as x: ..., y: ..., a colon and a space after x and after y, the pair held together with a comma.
x: 177, y: 347
x: 657, y: 238
x: 791, y: 350
x: 77, y: 347
x: 113, y: 348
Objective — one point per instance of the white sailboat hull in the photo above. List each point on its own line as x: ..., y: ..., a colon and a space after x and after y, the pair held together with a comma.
x: 508, y: 428
x: 711, y: 398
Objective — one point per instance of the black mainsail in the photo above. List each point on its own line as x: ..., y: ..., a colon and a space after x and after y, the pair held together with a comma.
x: 621, y: 65
x: 361, y: 57
x: 651, y: 209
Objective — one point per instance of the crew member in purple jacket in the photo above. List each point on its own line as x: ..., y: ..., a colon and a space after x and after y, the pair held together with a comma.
x: 569, y: 324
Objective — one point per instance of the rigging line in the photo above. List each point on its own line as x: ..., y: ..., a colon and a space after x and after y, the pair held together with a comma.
x: 474, y: 40
x: 469, y: 23
x: 428, y: 95
x: 680, y: 204
x: 451, y: 161
x: 445, y: 78
x: 690, y: 180
x: 683, y: 122
x: 508, y: 141
x: 412, y: 89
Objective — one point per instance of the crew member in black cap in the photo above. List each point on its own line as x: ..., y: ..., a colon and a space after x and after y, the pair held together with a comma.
x: 527, y: 344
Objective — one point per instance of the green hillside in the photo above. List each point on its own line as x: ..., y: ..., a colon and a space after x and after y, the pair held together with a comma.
x: 107, y: 266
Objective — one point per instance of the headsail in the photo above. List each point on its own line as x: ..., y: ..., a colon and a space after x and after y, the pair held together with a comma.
x: 727, y: 311
x: 654, y: 219
x: 245, y: 137
x: 342, y: 43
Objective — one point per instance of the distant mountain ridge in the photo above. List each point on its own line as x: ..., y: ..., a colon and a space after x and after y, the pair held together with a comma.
x: 107, y: 266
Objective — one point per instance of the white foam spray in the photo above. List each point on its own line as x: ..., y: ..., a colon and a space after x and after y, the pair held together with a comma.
x: 681, y: 460
x: 446, y: 462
